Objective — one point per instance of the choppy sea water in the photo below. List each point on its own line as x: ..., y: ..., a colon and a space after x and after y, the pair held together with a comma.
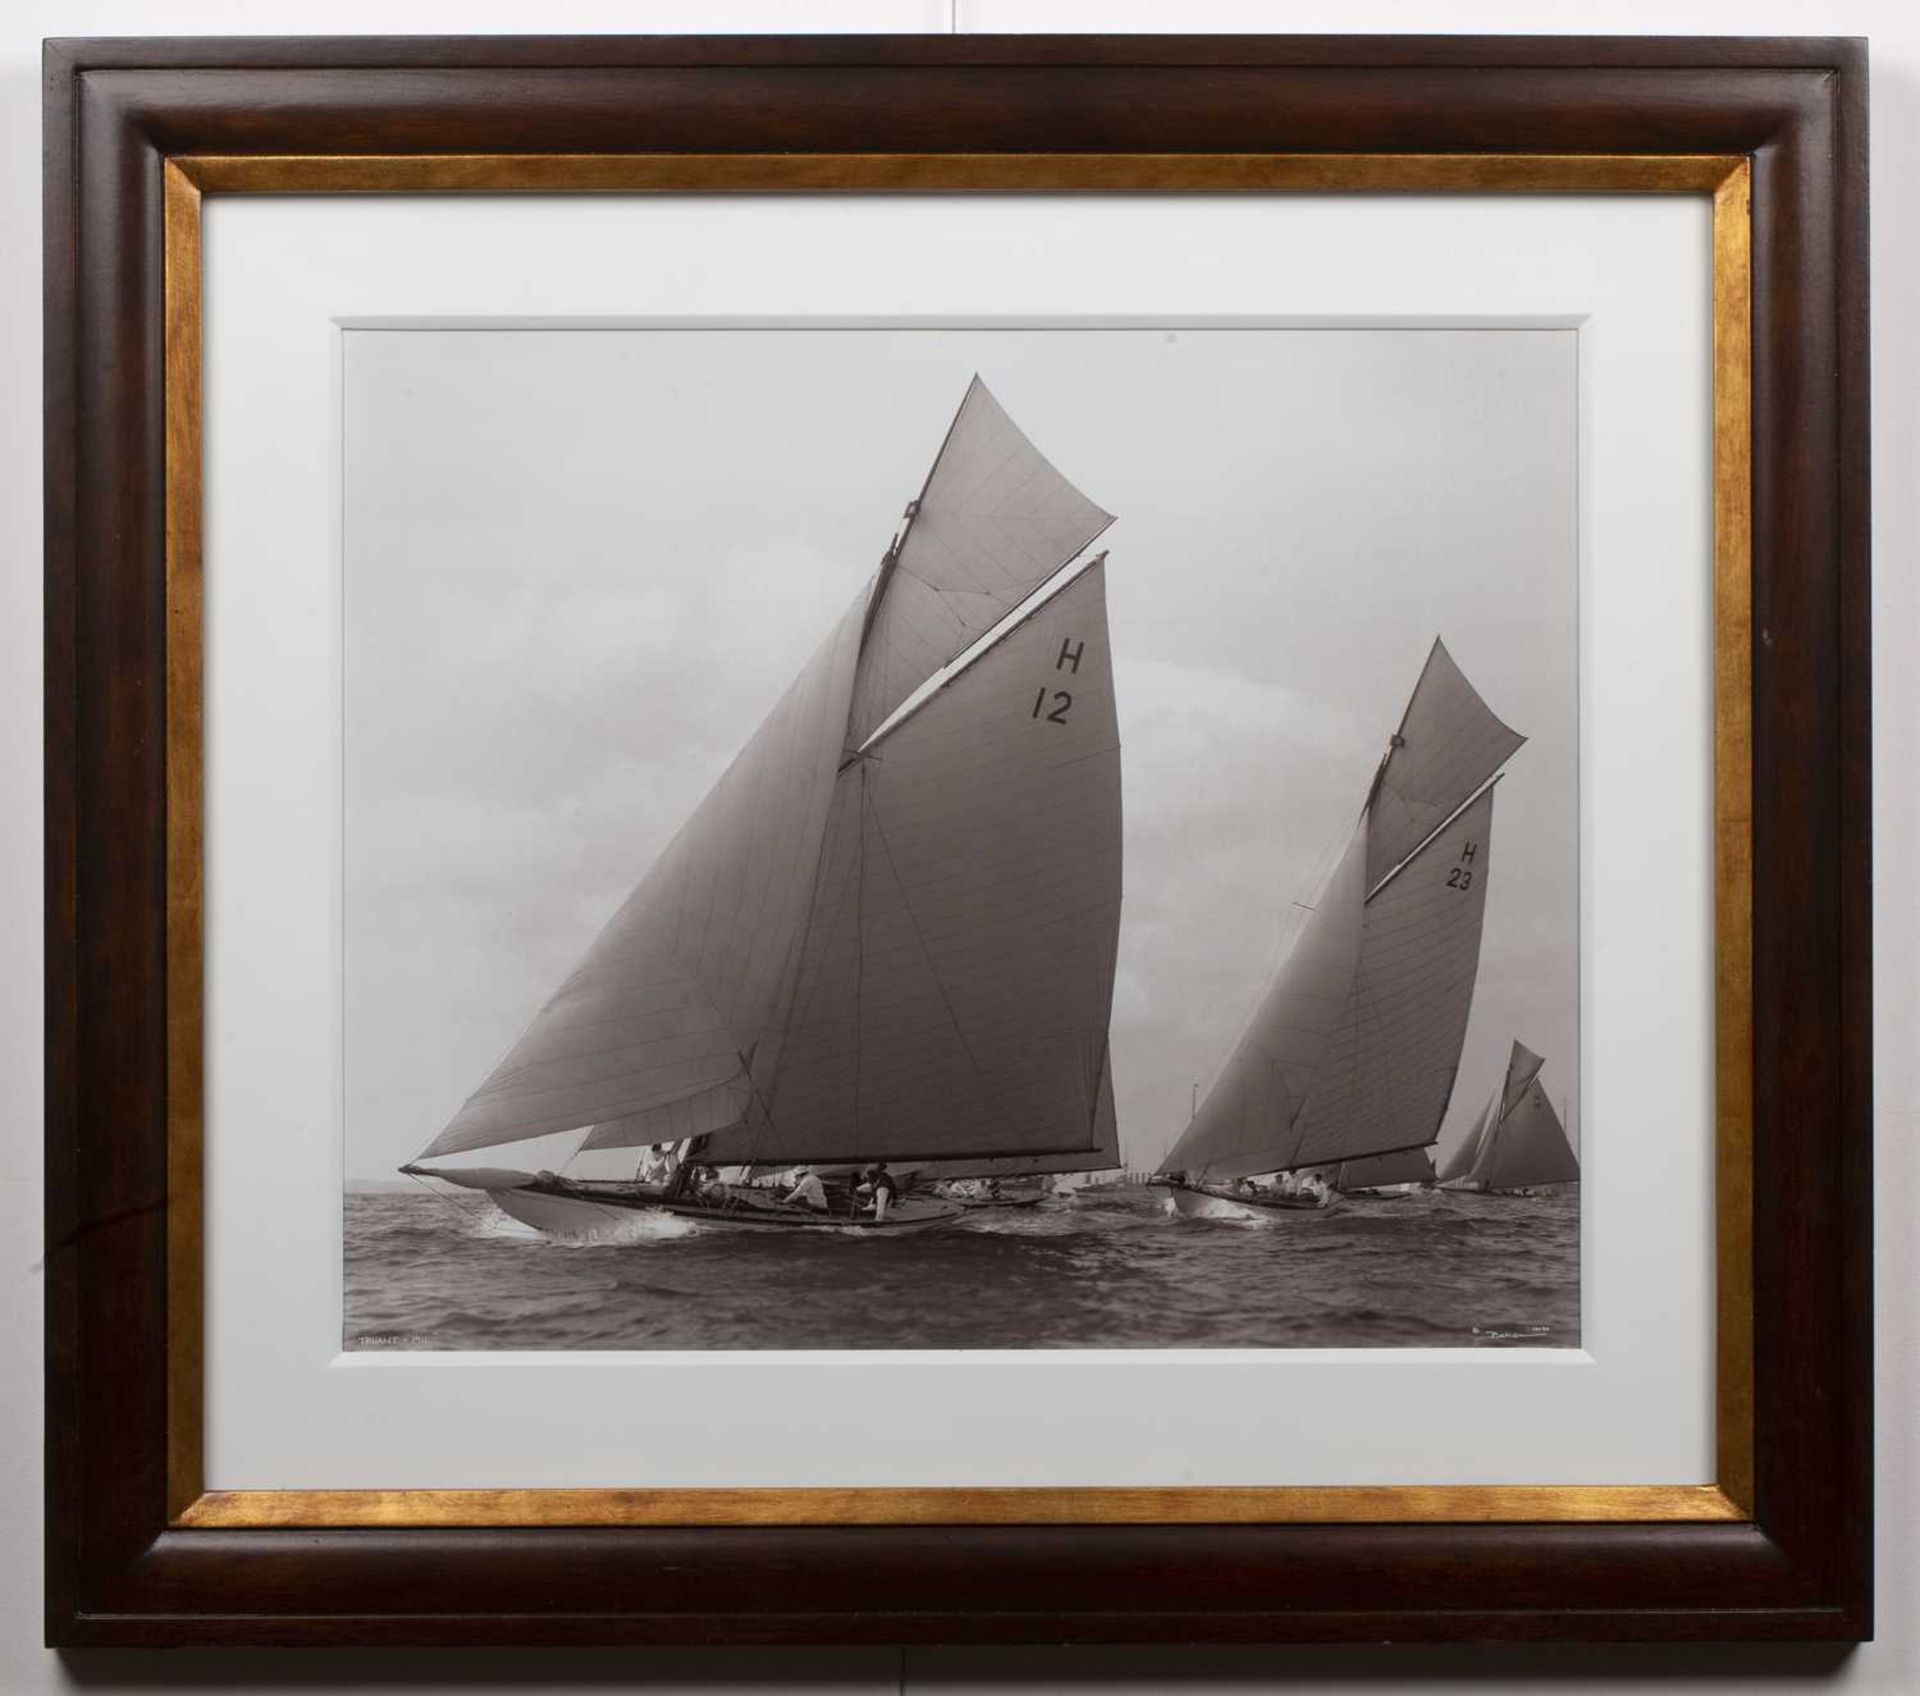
x: 1432, y: 1270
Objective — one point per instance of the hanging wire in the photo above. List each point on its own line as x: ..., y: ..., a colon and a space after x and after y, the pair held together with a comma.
x: 445, y: 1199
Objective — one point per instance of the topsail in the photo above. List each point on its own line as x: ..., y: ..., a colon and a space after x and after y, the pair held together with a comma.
x: 993, y: 523
x: 1353, y: 1049
x: 865, y: 945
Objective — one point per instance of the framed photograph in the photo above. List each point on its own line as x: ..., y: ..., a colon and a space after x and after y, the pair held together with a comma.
x: 855, y: 830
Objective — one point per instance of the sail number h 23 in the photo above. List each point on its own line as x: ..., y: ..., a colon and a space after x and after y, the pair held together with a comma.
x: 1461, y: 876
x: 1062, y: 702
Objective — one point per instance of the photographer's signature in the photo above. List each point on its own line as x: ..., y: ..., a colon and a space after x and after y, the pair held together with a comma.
x: 1511, y: 1333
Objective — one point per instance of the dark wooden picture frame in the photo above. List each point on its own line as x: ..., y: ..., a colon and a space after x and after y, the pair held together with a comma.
x: 138, y: 132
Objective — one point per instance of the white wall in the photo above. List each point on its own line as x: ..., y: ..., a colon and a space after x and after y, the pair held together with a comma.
x: 1891, y: 1666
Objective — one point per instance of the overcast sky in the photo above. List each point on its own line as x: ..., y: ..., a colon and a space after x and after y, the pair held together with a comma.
x: 580, y: 566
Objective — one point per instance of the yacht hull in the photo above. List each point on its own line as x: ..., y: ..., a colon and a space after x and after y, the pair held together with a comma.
x: 1198, y: 1203
x: 563, y: 1209
x: 562, y: 1215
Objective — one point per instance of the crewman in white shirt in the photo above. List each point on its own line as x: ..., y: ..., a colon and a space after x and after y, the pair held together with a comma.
x: 808, y: 1190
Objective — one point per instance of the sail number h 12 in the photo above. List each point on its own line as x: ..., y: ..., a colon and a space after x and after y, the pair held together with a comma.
x: 1062, y: 702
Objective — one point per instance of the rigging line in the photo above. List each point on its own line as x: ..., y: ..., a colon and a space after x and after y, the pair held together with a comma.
x: 754, y: 1098
x: 1360, y: 1014
x: 1318, y: 880
x: 1427, y: 840
x: 586, y: 1131
x: 464, y: 1212
x: 793, y: 969
x: 769, y: 871
x: 803, y: 987
x: 1101, y: 1059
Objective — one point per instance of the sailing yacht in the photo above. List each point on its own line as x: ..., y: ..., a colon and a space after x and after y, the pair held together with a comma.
x: 1352, y: 1051
x: 889, y: 931
x: 1519, y: 1144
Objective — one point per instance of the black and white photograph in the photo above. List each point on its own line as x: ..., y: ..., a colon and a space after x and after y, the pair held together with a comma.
x: 960, y: 836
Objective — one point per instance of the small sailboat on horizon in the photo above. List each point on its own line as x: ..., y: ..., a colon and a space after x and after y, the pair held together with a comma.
x: 1519, y: 1144
x: 1352, y: 1052
x: 889, y: 931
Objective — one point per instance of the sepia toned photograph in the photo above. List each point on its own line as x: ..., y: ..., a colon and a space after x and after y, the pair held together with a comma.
x: 971, y: 837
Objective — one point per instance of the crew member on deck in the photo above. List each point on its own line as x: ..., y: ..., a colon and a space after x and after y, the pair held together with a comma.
x: 808, y: 1190
x: 880, y: 1185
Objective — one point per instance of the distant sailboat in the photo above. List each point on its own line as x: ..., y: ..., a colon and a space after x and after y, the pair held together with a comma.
x: 1519, y: 1142
x: 889, y: 931
x: 1353, y: 1050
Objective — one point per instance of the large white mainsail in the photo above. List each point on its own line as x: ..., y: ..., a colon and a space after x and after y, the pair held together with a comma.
x: 677, y: 1021
x: 957, y: 976
x: 1354, y: 1047
x: 1103, y: 1156
x: 1519, y: 1142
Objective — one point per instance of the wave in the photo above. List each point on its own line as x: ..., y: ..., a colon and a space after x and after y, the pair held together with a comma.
x: 634, y: 1229
x: 1426, y: 1272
